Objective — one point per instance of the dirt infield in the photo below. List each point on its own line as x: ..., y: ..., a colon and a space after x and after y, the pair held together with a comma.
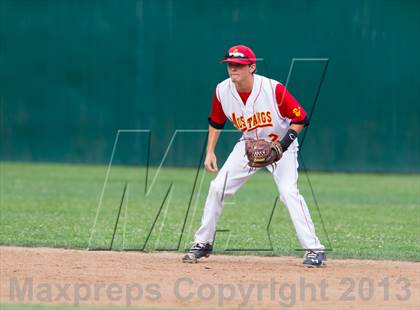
x: 70, y: 277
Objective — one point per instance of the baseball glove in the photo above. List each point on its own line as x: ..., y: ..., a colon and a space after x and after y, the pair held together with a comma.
x: 262, y: 153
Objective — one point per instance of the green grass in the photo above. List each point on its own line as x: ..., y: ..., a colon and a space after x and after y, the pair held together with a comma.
x: 366, y: 215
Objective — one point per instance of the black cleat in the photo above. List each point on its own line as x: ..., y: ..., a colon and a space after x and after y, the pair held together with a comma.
x: 198, y: 250
x: 314, y: 259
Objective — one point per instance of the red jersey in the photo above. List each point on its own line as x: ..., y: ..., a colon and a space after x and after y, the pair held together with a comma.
x: 287, y: 104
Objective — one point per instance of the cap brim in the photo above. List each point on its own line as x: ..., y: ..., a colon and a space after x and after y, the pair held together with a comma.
x: 237, y: 61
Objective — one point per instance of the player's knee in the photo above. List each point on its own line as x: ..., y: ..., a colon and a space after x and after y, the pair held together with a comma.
x: 219, y: 190
x: 216, y: 189
x: 287, y: 192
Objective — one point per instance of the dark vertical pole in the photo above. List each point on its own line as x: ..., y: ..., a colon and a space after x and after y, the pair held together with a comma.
x: 118, y: 216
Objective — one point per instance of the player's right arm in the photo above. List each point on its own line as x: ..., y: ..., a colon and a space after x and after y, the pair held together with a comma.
x: 211, y: 161
x: 217, y: 121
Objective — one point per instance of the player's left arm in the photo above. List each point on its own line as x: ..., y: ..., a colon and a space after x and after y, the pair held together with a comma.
x: 289, y: 107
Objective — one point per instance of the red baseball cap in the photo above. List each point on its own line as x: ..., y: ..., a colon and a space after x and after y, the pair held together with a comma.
x: 240, y: 54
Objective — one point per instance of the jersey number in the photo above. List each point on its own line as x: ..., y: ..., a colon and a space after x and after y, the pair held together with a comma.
x: 273, y: 137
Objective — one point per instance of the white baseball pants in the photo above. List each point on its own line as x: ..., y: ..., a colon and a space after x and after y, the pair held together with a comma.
x: 235, y: 172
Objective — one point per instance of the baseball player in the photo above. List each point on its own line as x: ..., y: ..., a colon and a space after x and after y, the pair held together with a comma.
x: 264, y: 111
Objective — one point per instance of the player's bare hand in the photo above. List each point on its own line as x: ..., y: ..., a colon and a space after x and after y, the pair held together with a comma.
x: 211, y: 162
